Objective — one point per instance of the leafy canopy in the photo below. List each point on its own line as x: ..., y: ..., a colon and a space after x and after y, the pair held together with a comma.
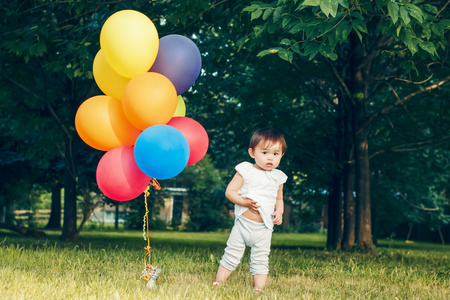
x: 310, y: 27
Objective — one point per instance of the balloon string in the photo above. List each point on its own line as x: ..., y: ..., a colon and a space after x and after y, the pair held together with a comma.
x: 157, y: 186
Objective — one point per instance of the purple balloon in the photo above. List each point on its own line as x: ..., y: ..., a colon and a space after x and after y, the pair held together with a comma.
x: 179, y: 60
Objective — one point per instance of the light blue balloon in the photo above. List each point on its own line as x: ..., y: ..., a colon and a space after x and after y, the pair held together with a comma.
x: 161, y: 151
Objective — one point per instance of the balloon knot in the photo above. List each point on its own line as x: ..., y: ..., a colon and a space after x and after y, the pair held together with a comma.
x: 154, y: 183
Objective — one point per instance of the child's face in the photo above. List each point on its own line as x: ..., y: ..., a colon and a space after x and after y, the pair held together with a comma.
x: 267, y: 156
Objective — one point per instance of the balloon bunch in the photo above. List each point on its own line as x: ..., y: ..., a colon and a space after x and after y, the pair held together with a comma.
x: 140, y: 121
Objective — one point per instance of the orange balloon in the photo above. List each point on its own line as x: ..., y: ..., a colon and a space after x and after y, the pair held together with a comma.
x: 101, y: 123
x: 149, y: 99
x: 111, y: 83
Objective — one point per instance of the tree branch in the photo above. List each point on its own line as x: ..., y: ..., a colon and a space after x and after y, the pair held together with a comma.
x: 411, y: 146
x: 37, y: 97
x: 404, y: 99
x: 324, y: 105
x: 410, y: 81
x: 403, y: 197
x: 212, y: 5
x: 339, y: 79
x: 437, y: 15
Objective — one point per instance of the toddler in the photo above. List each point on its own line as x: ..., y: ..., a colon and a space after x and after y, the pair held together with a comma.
x: 257, y: 192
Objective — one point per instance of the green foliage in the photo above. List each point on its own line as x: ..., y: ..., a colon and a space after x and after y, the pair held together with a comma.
x: 320, y: 26
x: 46, y: 73
x: 208, y: 208
x: 135, y: 215
x: 47, y: 53
x: 401, y: 38
x: 410, y: 157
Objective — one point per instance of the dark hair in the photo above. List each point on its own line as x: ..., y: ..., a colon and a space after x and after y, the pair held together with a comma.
x: 268, y: 135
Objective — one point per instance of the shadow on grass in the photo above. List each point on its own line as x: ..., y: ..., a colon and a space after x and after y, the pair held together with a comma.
x: 177, y: 239
x: 111, y: 239
x: 181, y: 240
x: 159, y: 239
x: 410, y: 245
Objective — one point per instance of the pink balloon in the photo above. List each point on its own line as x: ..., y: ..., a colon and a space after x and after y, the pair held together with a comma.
x: 196, y: 136
x: 118, y: 175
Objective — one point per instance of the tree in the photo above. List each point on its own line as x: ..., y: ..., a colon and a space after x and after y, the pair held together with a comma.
x: 356, y: 41
x: 416, y: 188
x: 46, y: 60
x: 47, y: 53
x: 206, y: 189
x: 48, y: 47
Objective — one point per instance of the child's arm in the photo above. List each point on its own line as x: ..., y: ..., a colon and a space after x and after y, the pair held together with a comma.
x: 232, y: 194
x: 279, y: 207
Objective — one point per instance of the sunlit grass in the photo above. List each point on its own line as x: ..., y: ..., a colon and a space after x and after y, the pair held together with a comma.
x: 108, y: 265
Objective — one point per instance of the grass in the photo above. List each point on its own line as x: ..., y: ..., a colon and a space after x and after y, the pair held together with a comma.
x: 108, y: 265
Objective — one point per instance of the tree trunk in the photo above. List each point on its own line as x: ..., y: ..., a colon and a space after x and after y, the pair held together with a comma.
x: 287, y: 216
x: 54, y: 221
x: 69, y: 231
x: 441, y: 236
x: 348, y: 174
x: 334, y: 233
x: 116, y: 217
x: 360, y: 64
x: 335, y: 204
x: 349, y: 206
x: 71, y: 141
x: 410, y: 231
x: 87, y: 210
x: 8, y: 212
x: 362, y: 173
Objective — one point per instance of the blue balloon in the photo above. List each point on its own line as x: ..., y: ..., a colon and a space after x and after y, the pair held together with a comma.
x: 179, y: 60
x: 161, y: 151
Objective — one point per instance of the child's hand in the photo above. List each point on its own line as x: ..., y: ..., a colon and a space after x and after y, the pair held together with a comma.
x: 278, y: 217
x: 252, y: 206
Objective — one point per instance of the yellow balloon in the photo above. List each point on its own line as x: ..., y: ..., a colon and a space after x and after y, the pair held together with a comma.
x: 101, y: 123
x: 130, y: 42
x: 181, y: 107
x: 149, y: 99
x: 111, y: 83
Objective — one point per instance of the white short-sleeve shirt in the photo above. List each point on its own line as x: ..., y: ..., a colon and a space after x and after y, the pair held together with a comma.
x: 260, y: 186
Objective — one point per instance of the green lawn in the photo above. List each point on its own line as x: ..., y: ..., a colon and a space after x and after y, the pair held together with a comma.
x: 108, y: 265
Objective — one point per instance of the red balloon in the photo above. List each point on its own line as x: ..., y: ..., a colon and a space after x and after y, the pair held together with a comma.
x: 118, y: 175
x: 196, y: 136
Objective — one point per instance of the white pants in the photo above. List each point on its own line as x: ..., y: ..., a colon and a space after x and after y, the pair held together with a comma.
x: 253, y: 234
